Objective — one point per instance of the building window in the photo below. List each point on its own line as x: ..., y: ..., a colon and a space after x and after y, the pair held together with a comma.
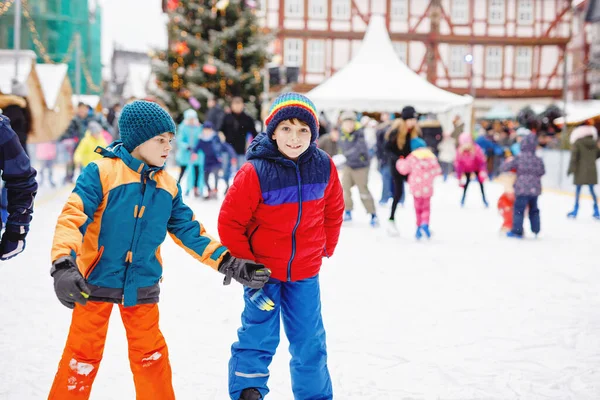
x: 316, y: 56
x: 294, y: 8
x: 401, y: 50
x: 525, y: 12
x: 493, y: 62
x: 340, y: 9
x: 399, y: 10
x: 496, y: 10
x: 457, y: 64
x: 292, y: 52
x: 523, y: 62
x: 459, y: 11
x: 317, y: 9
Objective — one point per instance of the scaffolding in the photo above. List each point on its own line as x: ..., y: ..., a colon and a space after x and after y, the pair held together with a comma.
x: 54, y: 29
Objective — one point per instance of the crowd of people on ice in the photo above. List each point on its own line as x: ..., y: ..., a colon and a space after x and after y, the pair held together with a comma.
x: 287, y: 193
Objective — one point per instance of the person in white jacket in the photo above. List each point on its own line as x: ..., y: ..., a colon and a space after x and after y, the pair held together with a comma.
x: 447, y: 154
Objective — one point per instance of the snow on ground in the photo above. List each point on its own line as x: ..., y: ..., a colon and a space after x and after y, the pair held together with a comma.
x: 468, y: 315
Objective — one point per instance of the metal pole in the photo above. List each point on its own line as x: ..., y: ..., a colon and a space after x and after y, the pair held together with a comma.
x: 564, y: 127
x: 78, y: 64
x: 17, y: 40
x: 563, y: 136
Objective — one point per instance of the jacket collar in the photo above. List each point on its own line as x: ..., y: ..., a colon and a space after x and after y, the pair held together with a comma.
x: 117, y: 150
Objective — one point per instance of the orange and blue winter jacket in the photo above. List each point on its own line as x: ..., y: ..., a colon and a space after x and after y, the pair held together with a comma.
x: 115, y: 221
x: 286, y: 215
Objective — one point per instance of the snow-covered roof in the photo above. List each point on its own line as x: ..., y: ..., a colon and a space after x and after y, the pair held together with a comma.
x: 136, y: 83
x: 51, y: 77
x: 377, y: 80
x: 579, y: 111
x: 7, y: 68
x: 89, y: 99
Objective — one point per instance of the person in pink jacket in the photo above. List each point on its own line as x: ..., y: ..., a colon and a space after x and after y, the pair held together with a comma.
x: 470, y: 160
x: 422, y: 167
x: 46, y: 154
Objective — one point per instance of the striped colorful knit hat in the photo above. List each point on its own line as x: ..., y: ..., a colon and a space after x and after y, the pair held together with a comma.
x: 293, y: 105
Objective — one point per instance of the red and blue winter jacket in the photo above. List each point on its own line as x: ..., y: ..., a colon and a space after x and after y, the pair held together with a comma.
x: 286, y: 215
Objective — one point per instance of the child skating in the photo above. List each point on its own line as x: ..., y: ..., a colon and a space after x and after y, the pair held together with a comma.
x: 106, y: 251
x: 528, y: 185
x: 506, y: 202
x: 284, y: 210
x: 422, y: 168
x: 470, y: 162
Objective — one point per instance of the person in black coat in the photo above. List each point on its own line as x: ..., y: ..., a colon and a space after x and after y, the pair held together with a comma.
x: 236, y: 126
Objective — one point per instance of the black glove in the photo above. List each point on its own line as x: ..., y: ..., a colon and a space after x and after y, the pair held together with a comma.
x: 69, y: 285
x: 13, y: 241
x: 246, y: 272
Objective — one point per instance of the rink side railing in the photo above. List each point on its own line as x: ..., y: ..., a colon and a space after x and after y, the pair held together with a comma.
x: 557, y: 164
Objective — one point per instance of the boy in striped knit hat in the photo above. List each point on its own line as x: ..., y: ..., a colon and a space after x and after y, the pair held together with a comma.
x: 284, y: 210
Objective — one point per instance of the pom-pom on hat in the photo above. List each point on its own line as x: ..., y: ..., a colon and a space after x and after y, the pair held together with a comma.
x: 142, y: 120
x: 293, y: 105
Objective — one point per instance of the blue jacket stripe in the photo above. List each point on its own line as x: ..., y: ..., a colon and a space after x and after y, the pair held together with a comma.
x: 312, y: 191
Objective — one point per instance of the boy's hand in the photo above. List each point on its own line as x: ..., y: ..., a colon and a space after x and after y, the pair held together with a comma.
x: 246, y: 272
x: 13, y: 241
x: 69, y: 285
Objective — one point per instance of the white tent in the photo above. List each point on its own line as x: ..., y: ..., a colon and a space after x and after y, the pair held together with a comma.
x: 579, y: 111
x: 376, y: 80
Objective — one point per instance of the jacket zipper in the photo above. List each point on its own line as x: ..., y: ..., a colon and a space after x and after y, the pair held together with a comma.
x: 94, y: 262
x: 289, y: 269
x: 128, y: 263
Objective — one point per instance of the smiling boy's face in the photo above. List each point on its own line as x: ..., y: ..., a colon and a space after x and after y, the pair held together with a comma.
x: 292, y: 137
x: 155, y: 151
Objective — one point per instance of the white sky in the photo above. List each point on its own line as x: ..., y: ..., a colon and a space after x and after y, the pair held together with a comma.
x: 132, y: 25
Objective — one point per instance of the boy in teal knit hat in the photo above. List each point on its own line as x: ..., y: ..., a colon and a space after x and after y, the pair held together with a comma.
x: 106, y: 250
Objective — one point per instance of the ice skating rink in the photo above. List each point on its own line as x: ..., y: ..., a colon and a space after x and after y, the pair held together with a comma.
x: 467, y: 315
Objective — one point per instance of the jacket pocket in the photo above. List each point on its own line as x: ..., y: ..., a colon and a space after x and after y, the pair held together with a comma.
x: 94, y: 262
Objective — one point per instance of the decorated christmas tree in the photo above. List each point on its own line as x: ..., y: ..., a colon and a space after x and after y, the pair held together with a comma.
x: 216, y: 49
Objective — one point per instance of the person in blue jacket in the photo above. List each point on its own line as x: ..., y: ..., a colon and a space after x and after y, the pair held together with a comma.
x: 21, y: 188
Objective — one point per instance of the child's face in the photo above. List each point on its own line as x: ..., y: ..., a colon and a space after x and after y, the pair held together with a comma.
x: 293, y: 138
x: 207, y: 132
x: 155, y: 151
x: 348, y: 125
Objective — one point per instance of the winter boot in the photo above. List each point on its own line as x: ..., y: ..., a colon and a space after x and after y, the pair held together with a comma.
x: 419, y: 234
x: 596, y: 214
x: 347, y: 216
x: 196, y: 192
x: 374, y: 221
x: 573, y: 213
x: 392, y: 229
x: 250, y: 394
x: 425, y: 229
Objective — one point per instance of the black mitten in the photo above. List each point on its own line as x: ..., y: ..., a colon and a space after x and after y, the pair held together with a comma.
x: 69, y: 285
x: 246, y: 272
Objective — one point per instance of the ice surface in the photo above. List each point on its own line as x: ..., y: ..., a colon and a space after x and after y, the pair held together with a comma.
x: 467, y: 315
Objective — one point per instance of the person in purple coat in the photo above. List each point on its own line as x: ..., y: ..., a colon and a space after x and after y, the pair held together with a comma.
x: 528, y: 186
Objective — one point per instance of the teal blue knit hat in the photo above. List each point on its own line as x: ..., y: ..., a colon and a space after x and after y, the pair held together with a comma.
x: 142, y: 120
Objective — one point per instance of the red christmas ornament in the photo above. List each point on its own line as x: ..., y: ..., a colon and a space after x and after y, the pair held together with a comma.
x: 209, y: 69
x: 182, y: 48
x: 172, y: 5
